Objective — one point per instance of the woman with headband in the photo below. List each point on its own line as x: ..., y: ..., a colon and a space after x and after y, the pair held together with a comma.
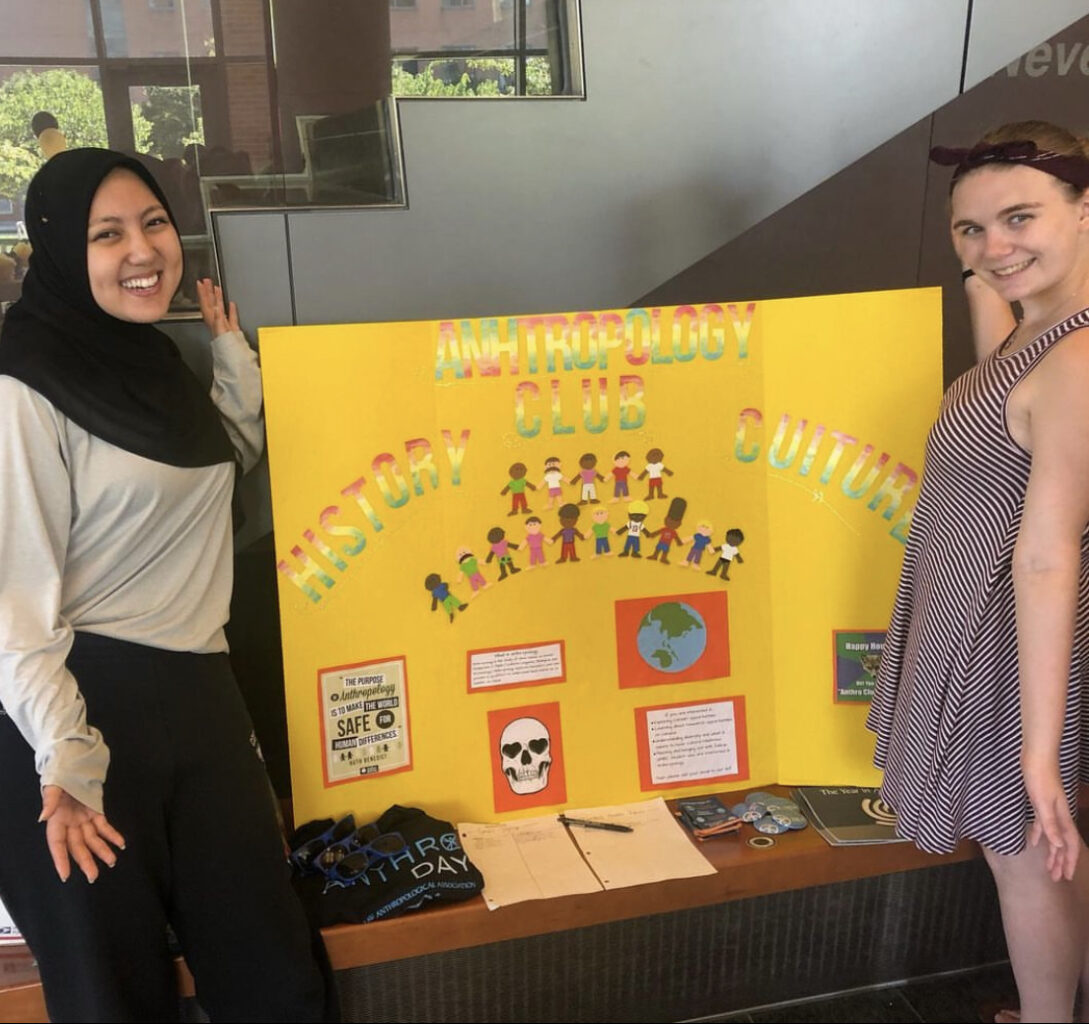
x: 982, y: 703
x: 133, y: 794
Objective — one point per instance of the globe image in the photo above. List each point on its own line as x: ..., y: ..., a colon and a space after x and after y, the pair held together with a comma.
x: 671, y: 637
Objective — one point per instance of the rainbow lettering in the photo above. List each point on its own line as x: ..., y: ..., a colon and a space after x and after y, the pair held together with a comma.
x: 858, y: 480
x: 395, y: 490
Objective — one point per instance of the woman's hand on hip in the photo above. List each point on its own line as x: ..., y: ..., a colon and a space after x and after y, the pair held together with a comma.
x: 217, y: 318
x: 75, y: 832
x: 1054, y: 823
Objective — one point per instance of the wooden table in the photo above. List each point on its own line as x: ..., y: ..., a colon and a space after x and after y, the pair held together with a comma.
x: 797, y: 861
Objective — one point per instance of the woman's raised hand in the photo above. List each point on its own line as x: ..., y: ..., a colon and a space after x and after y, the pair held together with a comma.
x: 218, y: 319
x: 74, y: 832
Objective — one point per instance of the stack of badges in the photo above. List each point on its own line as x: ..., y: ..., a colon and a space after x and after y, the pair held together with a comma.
x: 770, y: 814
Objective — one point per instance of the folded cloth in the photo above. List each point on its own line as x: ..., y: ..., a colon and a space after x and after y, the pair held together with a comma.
x: 433, y: 866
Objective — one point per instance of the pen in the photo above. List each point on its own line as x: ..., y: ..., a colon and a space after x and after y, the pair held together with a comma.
x: 607, y: 825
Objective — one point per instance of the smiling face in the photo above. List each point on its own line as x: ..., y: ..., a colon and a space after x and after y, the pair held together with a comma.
x: 134, y: 257
x: 1021, y: 230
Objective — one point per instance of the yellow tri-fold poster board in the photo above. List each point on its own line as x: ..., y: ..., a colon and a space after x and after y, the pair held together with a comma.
x: 583, y: 558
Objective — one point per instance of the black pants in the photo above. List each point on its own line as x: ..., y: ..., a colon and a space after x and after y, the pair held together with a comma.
x: 187, y: 790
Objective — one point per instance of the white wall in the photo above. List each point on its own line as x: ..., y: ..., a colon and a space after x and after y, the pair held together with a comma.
x: 701, y: 118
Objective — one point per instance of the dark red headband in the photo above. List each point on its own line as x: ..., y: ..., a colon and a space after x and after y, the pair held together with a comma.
x: 1072, y: 169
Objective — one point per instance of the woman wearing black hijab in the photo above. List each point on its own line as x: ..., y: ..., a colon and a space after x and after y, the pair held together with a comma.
x: 124, y: 745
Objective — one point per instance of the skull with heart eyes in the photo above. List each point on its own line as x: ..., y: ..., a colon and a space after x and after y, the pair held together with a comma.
x: 526, y: 751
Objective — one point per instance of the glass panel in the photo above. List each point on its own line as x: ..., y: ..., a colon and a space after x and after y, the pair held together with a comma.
x: 539, y: 77
x: 166, y: 119
x: 46, y: 28
x: 154, y: 28
x: 541, y: 19
x: 74, y: 99
x: 332, y: 91
x: 350, y: 158
x: 243, y: 27
x: 541, y: 36
x: 71, y: 101
x: 552, y: 32
x: 430, y: 26
x: 455, y: 76
x: 248, y: 109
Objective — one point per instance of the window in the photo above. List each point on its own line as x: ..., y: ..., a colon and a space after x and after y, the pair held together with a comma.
x: 189, y: 87
x: 178, y: 30
x: 57, y: 29
x: 25, y: 90
x: 227, y: 105
x: 166, y: 119
x: 504, y: 48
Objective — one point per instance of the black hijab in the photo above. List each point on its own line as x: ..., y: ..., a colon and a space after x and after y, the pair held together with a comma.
x: 123, y: 382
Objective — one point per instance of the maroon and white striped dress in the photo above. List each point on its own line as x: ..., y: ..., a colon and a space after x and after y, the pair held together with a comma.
x: 946, y: 707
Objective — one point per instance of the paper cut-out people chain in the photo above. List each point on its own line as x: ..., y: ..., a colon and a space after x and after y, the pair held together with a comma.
x: 553, y: 483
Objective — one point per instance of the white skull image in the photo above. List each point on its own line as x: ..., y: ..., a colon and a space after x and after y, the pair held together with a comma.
x: 526, y: 750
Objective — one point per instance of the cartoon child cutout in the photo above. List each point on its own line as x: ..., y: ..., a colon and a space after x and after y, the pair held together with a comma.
x: 535, y: 541
x: 655, y: 467
x: 470, y: 568
x: 621, y: 471
x: 669, y: 534
x: 517, y: 485
x: 601, y: 530
x: 553, y: 480
x: 728, y: 553
x: 440, y: 594
x: 637, y: 516
x: 588, y: 474
x: 501, y: 549
x: 568, y: 531
x: 699, y: 541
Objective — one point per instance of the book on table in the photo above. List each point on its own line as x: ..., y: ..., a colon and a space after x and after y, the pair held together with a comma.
x: 848, y: 815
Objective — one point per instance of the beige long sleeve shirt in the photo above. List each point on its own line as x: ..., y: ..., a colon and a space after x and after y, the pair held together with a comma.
x: 96, y: 539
